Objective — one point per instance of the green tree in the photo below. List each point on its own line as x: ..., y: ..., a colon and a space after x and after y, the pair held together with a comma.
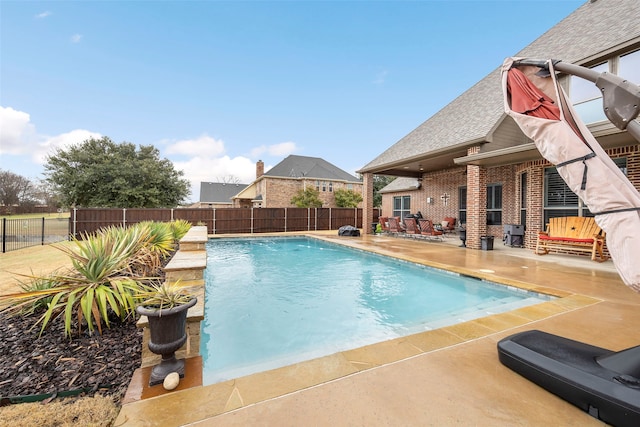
x: 347, y: 198
x: 101, y: 173
x: 379, y: 182
x: 308, y: 198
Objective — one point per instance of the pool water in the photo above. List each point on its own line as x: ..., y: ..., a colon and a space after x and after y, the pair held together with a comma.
x: 271, y: 302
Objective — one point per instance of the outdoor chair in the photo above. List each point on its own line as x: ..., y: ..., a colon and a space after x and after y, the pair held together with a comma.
x: 395, y: 226
x: 427, y: 229
x: 384, y: 223
x: 448, y: 224
x: 411, y: 226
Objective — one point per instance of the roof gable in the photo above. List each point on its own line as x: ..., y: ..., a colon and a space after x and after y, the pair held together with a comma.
x: 219, y: 192
x: 309, y: 167
x: 401, y: 184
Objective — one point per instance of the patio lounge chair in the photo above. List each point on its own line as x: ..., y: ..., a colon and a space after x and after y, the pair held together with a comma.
x: 411, y: 226
x: 448, y: 224
x: 395, y: 226
x: 427, y: 229
x: 384, y: 223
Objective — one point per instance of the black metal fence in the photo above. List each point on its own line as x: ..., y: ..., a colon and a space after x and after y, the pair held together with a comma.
x: 22, y: 233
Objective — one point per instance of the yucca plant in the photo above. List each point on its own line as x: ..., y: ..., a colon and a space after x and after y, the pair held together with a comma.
x: 179, y: 228
x: 161, y: 237
x: 100, y: 280
x: 163, y: 295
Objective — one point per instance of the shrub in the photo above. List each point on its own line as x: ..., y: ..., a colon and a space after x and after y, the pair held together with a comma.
x: 109, y: 270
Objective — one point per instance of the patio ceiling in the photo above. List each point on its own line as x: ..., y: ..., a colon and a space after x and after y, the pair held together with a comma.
x: 416, y: 166
x: 608, y: 136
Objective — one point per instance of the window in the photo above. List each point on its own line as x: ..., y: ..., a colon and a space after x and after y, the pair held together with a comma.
x: 523, y: 198
x: 462, y: 204
x: 494, y: 204
x: 401, y: 206
x: 324, y: 185
x: 629, y: 66
x: 317, y: 185
x: 330, y: 186
x: 559, y: 200
x: 587, y: 98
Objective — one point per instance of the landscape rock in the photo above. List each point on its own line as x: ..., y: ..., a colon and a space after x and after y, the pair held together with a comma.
x: 171, y: 381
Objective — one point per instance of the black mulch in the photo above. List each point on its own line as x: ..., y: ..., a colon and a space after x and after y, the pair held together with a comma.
x: 54, y: 363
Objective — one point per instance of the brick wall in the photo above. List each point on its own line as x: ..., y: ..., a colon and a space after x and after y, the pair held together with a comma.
x: 435, y: 186
x: 277, y: 192
x: 476, y: 178
x: 367, y: 201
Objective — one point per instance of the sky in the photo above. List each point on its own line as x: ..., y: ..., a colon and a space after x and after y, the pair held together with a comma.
x: 218, y: 85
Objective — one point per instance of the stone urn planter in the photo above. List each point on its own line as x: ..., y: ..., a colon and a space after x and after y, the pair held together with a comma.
x: 167, y: 329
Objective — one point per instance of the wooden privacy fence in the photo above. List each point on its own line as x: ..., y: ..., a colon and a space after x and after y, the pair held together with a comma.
x: 223, y: 220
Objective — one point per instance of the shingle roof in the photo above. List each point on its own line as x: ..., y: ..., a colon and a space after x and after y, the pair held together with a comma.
x: 594, y: 28
x: 310, y: 167
x: 218, y: 192
x: 401, y: 184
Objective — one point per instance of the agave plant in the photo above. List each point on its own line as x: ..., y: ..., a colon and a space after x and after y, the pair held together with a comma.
x: 100, y: 280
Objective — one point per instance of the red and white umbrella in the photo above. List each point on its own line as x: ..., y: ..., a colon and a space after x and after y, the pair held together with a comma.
x: 543, y: 111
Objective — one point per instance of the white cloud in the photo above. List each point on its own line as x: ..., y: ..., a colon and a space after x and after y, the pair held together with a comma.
x: 17, y: 134
x: 277, y: 150
x: 203, y: 146
x: 215, y: 169
x: 43, y: 15
x: 62, y: 141
x: 76, y: 38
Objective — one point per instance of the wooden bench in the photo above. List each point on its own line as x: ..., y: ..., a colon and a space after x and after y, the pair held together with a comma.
x: 573, y: 233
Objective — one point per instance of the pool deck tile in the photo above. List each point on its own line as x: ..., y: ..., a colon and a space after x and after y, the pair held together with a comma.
x: 447, y: 376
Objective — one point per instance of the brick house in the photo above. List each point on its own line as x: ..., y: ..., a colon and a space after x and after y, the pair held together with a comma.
x: 276, y: 187
x: 471, y: 161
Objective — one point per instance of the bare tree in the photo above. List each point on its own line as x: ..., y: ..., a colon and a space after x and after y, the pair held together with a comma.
x: 15, y: 189
x: 229, y: 179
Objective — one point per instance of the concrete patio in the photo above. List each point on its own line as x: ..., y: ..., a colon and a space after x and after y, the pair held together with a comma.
x: 450, y: 376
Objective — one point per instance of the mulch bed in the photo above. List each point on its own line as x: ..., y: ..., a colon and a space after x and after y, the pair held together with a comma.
x: 53, y: 363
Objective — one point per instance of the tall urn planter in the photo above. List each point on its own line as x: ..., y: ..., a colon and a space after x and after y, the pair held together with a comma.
x: 168, y: 332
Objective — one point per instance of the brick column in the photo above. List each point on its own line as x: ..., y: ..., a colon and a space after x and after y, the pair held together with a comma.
x: 367, y: 202
x: 476, y: 205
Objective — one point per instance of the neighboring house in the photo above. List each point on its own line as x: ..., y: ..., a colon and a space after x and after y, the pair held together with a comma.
x: 472, y: 161
x: 275, y: 188
x: 218, y: 194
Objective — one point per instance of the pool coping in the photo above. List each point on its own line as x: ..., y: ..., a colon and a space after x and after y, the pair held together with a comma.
x: 202, y: 402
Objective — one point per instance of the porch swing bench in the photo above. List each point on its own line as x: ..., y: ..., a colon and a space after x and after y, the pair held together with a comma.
x: 573, y: 233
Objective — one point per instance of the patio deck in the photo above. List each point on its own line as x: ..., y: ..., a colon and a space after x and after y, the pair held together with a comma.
x: 451, y: 376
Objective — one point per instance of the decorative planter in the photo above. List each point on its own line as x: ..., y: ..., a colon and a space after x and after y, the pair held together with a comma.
x: 463, y: 237
x: 167, y: 329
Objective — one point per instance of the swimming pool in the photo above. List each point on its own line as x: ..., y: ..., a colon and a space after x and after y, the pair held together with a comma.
x: 271, y: 302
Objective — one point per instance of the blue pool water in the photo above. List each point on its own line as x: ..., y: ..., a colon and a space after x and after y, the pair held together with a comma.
x: 271, y: 302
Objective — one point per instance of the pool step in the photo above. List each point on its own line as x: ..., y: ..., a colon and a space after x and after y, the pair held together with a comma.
x: 481, y: 310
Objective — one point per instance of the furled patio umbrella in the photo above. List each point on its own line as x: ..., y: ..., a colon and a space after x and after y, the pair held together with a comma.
x: 602, y: 382
x: 544, y: 113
